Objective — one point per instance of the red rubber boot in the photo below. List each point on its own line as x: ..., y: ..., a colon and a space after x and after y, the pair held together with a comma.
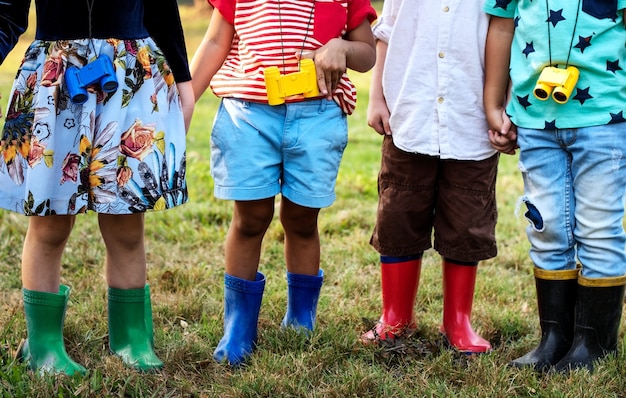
x: 458, y: 296
x: 399, y: 279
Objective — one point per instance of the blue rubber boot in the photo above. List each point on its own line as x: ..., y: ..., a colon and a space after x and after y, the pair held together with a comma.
x: 302, y: 297
x: 44, y: 349
x: 242, y: 303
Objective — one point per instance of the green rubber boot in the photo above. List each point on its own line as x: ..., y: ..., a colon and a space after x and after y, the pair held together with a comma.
x: 130, y: 329
x: 44, y: 349
x: 148, y: 315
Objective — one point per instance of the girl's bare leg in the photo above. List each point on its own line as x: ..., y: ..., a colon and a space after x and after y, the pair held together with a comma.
x: 125, y: 251
x: 42, y: 251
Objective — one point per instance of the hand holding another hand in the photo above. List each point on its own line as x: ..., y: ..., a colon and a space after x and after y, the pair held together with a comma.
x: 502, y: 132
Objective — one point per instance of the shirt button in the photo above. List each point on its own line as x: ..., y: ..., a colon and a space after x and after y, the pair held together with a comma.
x: 446, y: 9
x: 441, y: 55
x: 440, y: 100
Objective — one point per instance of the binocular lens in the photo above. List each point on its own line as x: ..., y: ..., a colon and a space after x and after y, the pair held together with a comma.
x: 79, y: 98
x: 559, y: 97
x: 541, y: 93
x: 109, y: 86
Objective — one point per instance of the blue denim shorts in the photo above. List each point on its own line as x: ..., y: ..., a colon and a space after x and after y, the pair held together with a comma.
x: 259, y: 150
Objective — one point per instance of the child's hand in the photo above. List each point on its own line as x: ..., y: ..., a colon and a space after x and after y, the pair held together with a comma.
x: 187, y: 101
x: 378, y: 116
x: 505, y: 143
x: 502, y: 133
x: 330, y: 65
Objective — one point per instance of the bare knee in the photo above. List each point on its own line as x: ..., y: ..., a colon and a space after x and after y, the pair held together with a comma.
x: 122, y: 231
x: 299, y: 220
x: 50, y: 230
x: 252, y: 218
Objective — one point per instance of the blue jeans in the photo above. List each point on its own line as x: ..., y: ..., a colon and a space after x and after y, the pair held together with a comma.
x: 574, y: 186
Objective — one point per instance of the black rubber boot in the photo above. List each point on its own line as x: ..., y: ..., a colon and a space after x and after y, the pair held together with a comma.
x: 598, y: 314
x: 556, y: 299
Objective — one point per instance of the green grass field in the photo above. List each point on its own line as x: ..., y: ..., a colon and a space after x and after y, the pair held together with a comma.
x: 185, y: 247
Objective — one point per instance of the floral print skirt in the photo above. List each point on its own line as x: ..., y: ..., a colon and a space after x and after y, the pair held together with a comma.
x: 120, y: 152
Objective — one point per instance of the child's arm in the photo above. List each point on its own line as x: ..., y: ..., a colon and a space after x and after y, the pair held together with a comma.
x: 211, y: 53
x: 13, y: 22
x: 187, y: 100
x: 356, y: 51
x: 502, y: 134
x: 377, y: 110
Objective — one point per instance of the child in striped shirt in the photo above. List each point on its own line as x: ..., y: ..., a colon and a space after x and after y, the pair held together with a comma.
x: 293, y: 148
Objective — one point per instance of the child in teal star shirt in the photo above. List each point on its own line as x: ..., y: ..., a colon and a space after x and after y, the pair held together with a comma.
x: 566, y: 103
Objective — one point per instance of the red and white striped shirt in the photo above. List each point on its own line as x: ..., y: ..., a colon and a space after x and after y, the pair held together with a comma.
x: 271, y: 32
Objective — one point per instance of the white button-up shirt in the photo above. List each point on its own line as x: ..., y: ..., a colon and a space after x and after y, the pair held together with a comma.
x: 433, y: 76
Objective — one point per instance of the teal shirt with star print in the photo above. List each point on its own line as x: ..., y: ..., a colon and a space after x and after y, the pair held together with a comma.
x: 587, y: 34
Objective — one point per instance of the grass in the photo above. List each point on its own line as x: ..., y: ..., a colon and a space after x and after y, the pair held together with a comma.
x: 185, y: 249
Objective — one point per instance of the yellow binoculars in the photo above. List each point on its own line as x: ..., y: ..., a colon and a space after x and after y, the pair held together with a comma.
x: 280, y: 86
x: 559, y: 82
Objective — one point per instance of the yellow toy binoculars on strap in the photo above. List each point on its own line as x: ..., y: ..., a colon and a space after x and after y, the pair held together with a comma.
x: 280, y: 86
x: 559, y: 82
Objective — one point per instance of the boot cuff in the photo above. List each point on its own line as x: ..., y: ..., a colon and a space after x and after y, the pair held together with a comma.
x: 305, y: 281
x: 127, y: 295
x: 559, y: 275
x: 46, y: 298
x: 602, y: 282
x: 245, y: 286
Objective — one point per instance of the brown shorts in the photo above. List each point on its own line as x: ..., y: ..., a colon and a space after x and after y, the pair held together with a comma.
x: 419, y: 194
